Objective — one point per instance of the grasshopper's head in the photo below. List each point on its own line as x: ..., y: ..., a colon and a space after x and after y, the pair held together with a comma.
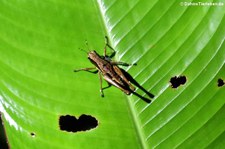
x: 92, y: 55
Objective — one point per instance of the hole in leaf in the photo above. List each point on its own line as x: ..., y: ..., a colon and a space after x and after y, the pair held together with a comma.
x: 32, y: 134
x: 220, y: 82
x: 177, y: 81
x: 72, y: 124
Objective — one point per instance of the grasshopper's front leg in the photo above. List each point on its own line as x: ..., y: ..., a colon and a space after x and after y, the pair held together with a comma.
x: 87, y: 69
x: 107, y: 45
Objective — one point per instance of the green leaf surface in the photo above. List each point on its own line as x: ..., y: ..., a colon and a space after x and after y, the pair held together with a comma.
x: 39, y: 49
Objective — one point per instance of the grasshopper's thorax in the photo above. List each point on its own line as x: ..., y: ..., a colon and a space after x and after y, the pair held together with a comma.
x: 102, y: 64
x: 96, y: 59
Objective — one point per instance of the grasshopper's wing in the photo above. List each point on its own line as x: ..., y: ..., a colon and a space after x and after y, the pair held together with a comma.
x: 109, y: 79
x: 118, y: 71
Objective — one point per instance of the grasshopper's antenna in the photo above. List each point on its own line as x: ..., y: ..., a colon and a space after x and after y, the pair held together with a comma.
x: 86, y: 51
x: 83, y: 50
x: 86, y: 42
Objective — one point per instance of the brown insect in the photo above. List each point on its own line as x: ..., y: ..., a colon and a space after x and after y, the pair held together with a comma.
x: 113, y: 74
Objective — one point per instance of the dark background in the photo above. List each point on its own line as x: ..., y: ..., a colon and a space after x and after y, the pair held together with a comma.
x: 3, y: 144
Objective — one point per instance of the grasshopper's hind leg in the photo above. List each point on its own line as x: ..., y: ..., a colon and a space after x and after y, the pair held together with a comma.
x: 100, y: 79
x: 103, y: 88
x: 109, y: 85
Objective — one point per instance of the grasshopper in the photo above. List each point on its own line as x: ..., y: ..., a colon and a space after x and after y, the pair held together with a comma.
x: 110, y: 72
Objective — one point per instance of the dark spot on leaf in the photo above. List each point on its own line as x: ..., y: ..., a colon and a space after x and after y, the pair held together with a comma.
x: 32, y: 134
x: 220, y: 82
x: 72, y: 124
x: 177, y: 81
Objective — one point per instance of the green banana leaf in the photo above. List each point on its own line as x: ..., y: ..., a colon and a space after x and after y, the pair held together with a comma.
x: 39, y: 50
